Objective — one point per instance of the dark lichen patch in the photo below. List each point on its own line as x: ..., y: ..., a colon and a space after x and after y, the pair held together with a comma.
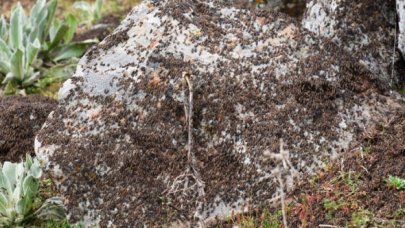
x: 110, y: 41
x: 20, y: 119
x: 115, y: 39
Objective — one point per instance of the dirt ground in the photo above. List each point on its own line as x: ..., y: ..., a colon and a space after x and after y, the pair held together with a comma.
x: 6, y: 5
x: 103, y: 28
x: 20, y: 119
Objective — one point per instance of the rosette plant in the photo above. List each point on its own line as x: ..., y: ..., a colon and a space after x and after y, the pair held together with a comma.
x: 90, y: 13
x: 32, y: 45
x: 19, y: 201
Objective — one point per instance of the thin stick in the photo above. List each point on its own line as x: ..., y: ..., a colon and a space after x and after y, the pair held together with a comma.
x: 190, y: 155
x: 192, y: 161
x: 192, y: 166
x: 280, y: 180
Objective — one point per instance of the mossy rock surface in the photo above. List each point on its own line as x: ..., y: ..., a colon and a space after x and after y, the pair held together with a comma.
x: 270, y: 101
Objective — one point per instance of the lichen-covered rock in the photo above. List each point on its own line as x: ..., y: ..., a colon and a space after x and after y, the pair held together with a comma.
x: 20, y: 119
x: 401, y: 26
x: 365, y: 29
x: 192, y: 109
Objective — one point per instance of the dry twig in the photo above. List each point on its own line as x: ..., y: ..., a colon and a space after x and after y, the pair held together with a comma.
x: 192, y: 171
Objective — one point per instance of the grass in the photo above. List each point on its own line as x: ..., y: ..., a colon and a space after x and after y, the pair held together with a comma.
x: 266, y: 219
x: 60, y: 224
x: 399, y: 213
x: 109, y: 7
x: 340, y: 200
x: 361, y: 218
x: 402, y: 90
x: 350, y: 179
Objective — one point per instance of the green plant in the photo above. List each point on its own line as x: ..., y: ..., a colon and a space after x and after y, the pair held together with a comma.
x: 247, y: 222
x: 331, y: 205
x: 90, y: 13
x: 399, y: 213
x: 19, y: 202
x: 350, y: 178
x: 396, y: 182
x: 61, y: 224
x: 361, y: 218
x: 271, y: 220
x: 32, y: 45
x: 402, y: 90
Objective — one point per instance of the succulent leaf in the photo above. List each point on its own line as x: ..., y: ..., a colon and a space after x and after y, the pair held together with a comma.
x: 17, y: 27
x: 59, y: 33
x: 51, y: 8
x: 28, y: 161
x: 97, y: 10
x: 52, y: 208
x: 72, y: 23
x: 19, y: 188
x: 32, y: 52
x: 32, y: 79
x: 83, y: 6
x: 30, y: 46
x: 73, y: 50
x: 5, y: 51
x: 3, y: 27
x: 4, y: 66
x: 10, y: 175
x: 17, y: 64
x: 38, y: 11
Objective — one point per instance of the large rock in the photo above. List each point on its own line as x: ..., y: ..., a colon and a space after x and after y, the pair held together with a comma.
x: 20, y: 119
x: 268, y: 103
x: 365, y: 29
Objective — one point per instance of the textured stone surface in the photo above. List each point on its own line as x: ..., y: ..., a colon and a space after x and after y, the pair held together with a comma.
x: 364, y: 28
x: 268, y: 102
x: 20, y: 119
x: 401, y: 26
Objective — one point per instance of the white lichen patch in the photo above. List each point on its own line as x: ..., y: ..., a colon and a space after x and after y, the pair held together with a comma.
x: 342, y: 22
x: 320, y: 17
x: 401, y: 25
x: 102, y: 169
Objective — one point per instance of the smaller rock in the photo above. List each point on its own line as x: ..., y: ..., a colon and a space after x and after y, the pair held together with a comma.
x: 20, y: 119
x: 401, y: 25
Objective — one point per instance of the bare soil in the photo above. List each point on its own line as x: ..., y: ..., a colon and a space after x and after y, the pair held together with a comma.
x: 102, y: 29
x: 6, y: 5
